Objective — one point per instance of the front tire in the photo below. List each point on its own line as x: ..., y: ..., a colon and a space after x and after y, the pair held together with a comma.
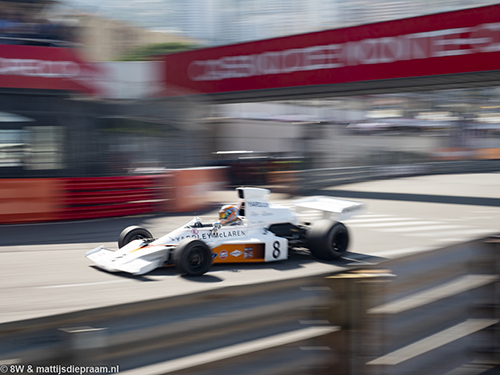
x: 192, y: 257
x: 327, y: 240
x: 132, y: 233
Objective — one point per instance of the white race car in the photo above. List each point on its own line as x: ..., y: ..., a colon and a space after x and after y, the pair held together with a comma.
x: 263, y: 232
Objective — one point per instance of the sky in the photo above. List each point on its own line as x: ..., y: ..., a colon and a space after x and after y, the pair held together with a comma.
x: 146, y: 13
x: 259, y: 19
x: 194, y: 18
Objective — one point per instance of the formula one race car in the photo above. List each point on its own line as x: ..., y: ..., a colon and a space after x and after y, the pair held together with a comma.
x: 255, y: 230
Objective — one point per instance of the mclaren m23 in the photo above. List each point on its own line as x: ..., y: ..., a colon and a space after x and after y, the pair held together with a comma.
x: 263, y: 232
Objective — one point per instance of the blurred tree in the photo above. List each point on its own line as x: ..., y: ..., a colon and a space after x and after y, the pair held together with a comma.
x: 152, y: 51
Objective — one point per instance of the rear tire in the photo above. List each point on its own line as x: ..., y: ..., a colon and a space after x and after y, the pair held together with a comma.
x: 132, y: 233
x: 192, y: 257
x: 327, y: 240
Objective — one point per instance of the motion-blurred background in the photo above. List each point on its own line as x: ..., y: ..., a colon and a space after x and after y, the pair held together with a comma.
x: 138, y: 109
x: 123, y: 129
x: 89, y: 89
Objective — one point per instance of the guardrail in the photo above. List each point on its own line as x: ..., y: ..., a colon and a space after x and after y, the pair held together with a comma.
x: 174, y: 334
x: 303, y: 182
x: 429, y: 313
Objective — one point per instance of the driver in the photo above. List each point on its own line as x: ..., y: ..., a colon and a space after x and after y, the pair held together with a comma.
x: 228, y: 215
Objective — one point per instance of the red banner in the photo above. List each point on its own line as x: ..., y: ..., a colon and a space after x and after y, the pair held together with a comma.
x: 446, y: 43
x: 48, y: 68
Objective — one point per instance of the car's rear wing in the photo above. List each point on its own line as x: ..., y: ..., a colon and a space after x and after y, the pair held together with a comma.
x: 332, y: 208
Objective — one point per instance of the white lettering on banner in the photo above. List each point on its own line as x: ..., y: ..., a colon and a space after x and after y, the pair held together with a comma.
x: 39, y: 68
x: 439, y: 43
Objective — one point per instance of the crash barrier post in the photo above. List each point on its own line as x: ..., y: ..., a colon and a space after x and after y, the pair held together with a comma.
x: 439, y: 312
x: 353, y: 294
x: 80, y: 345
x: 490, y: 351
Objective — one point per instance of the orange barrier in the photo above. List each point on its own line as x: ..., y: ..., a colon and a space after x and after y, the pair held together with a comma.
x: 29, y: 200
x: 487, y: 153
x: 51, y: 199
x: 453, y: 153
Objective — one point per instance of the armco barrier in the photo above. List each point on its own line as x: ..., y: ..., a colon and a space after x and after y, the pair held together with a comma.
x: 257, y: 324
x: 308, y: 181
x: 428, y: 313
x: 434, y: 312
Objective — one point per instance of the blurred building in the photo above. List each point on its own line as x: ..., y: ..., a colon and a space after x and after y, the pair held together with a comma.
x: 52, y: 122
x: 106, y: 39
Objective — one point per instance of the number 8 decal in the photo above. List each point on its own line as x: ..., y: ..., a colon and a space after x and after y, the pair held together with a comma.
x: 276, y: 251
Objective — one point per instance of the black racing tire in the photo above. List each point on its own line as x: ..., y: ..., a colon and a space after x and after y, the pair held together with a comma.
x: 327, y: 239
x: 192, y: 257
x: 132, y: 233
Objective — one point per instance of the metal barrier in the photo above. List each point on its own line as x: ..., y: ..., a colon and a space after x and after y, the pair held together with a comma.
x: 255, y: 326
x: 435, y: 312
x: 307, y: 181
x: 430, y: 313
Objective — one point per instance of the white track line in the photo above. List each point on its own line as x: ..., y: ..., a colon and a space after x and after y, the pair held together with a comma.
x: 377, y: 220
x: 395, y: 224
x: 82, y: 284
x: 423, y: 228
x: 460, y: 233
x: 374, y: 215
x: 402, y: 252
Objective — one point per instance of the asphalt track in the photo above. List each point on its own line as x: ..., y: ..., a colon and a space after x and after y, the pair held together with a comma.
x: 44, y: 271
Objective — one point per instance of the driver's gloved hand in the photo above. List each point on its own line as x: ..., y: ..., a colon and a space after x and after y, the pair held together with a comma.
x: 215, y: 228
